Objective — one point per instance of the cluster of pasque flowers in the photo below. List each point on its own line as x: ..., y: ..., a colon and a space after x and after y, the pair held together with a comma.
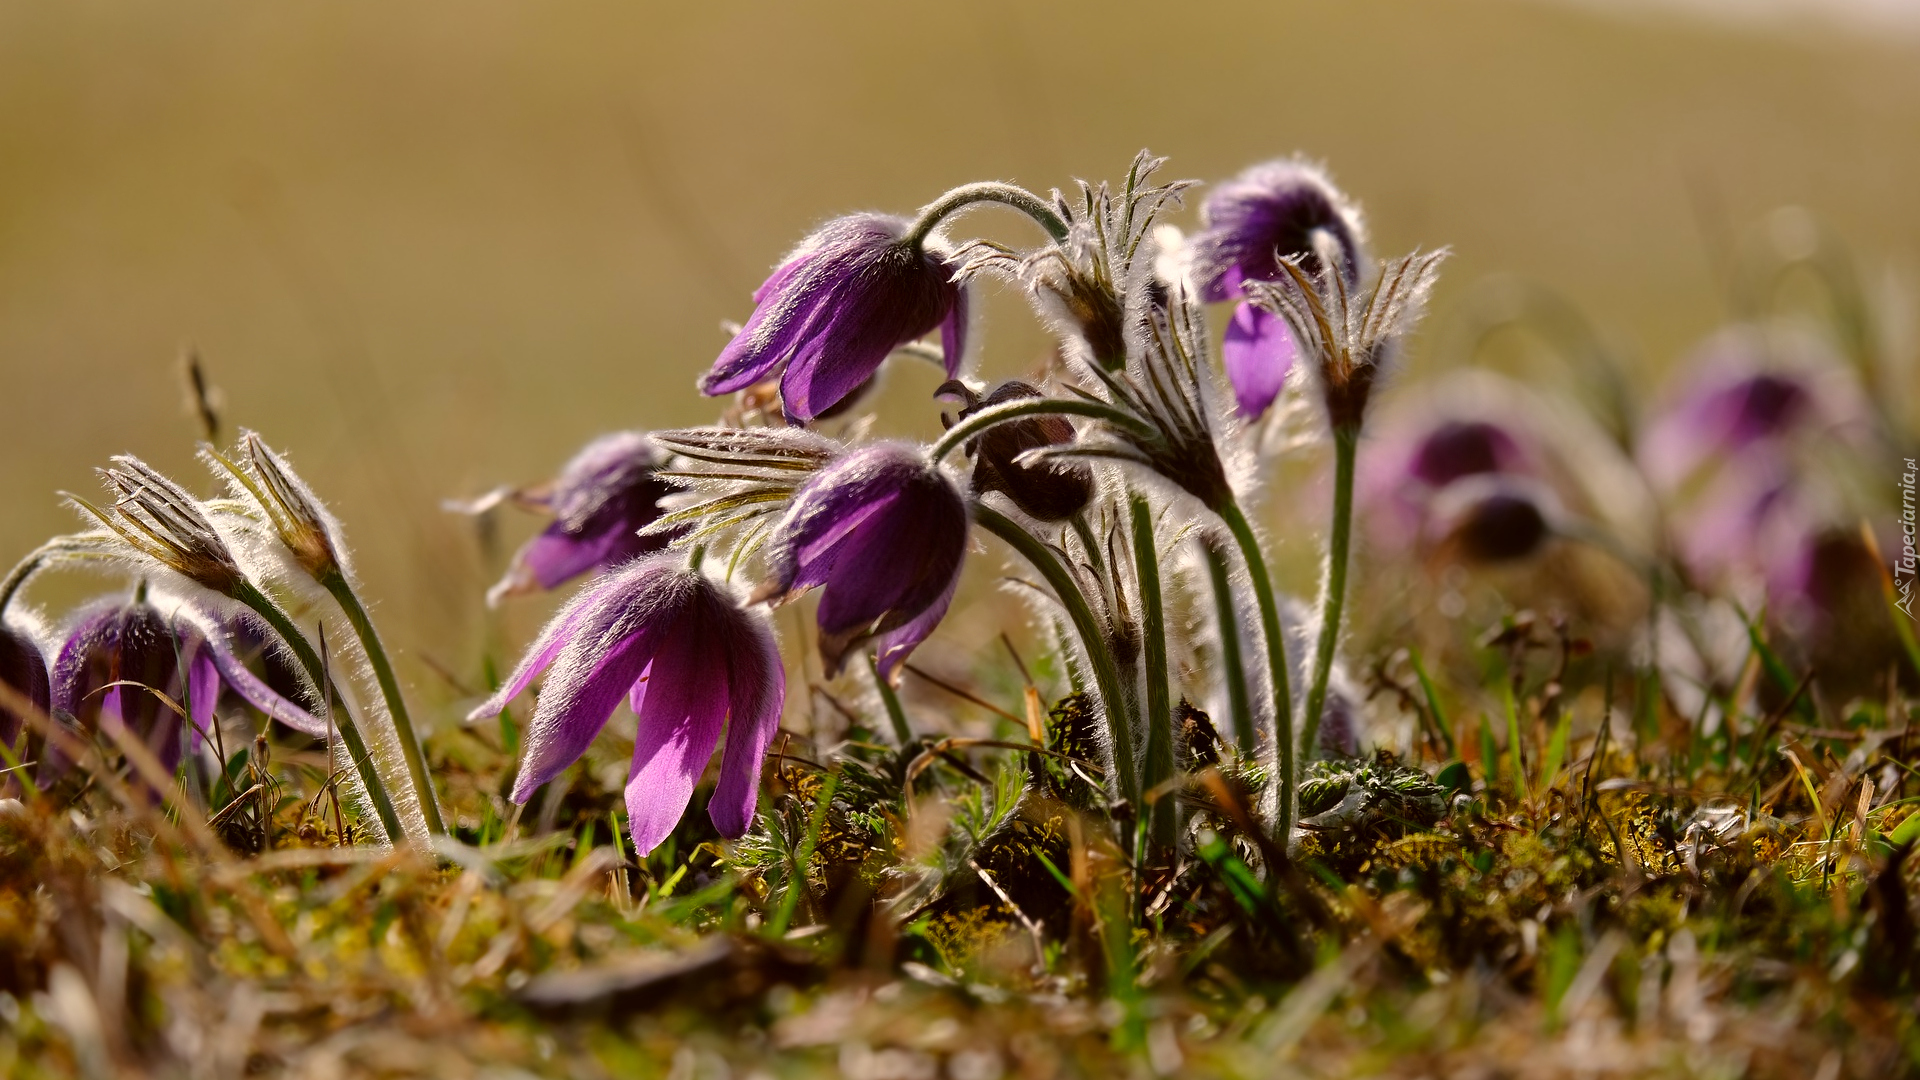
x: 1085, y: 473
x: 881, y: 528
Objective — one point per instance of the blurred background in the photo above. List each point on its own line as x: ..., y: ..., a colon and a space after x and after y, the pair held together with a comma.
x: 432, y: 248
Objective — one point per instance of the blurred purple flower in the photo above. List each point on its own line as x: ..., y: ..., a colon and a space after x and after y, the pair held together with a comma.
x: 24, y: 669
x: 600, y: 502
x: 884, y: 531
x: 1749, y: 390
x: 1455, y: 448
x: 1273, y: 210
x: 121, y: 649
x: 851, y: 294
x: 1411, y: 470
x: 689, y: 659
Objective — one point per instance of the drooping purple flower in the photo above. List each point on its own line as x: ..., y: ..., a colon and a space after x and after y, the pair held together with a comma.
x: 885, y: 532
x: 1455, y: 449
x: 120, y: 650
x: 1271, y: 211
x: 689, y: 659
x: 851, y: 294
x: 1747, y: 391
x: 1410, y: 471
x: 24, y: 669
x: 600, y: 502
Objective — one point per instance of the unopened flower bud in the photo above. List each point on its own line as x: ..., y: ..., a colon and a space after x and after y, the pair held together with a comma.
x: 1046, y: 490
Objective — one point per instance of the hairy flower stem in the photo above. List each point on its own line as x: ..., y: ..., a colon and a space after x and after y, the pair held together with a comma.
x: 1289, y: 777
x: 990, y: 191
x: 1106, y: 674
x: 247, y: 594
x: 896, y: 714
x: 1159, y: 706
x: 336, y: 583
x: 1333, y: 599
x: 1232, y: 668
x: 1095, y: 558
x: 967, y: 428
x: 37, y: 560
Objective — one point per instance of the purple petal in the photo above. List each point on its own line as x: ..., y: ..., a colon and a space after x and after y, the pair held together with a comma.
x: 1257, y: 352
x: 1270, y: 211
x: 255, y: 692
x: 896, y: 565
x: 554, y: 637
x: 757, y: 689
x: 832, y: 504
x: 897, y: 644
x: 554, y: 556
x: 779, y: 321
x: 203, y: 693
x: 953, y: 332
x: 686, y: 703
x: 609, y: 650
x: 24, y: 668
x: 841, y: 354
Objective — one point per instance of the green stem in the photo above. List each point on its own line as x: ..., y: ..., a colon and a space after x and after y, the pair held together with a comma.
x: 1106, y: 675
x: 896, y: 715
x: 1333, y: 601
x: 316, y: 671
x: 1233, y: 669
x: 991, y: 191
x: 336, y: 583
x: 1159, y: 704
x: 1095, y: 557
x: 1277, y: 677
x: 1026, y: 407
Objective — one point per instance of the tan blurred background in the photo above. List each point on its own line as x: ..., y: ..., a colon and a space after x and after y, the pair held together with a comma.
x: 431, y: 247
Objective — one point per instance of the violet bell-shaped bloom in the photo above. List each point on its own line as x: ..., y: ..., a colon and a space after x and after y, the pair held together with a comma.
x: 851, y: 294
x: 120, y: 649
x: 1271, y: 211
x: 689, y: 658
x: 600, y: 501
x: 24, y: 670
x: 884, y: 531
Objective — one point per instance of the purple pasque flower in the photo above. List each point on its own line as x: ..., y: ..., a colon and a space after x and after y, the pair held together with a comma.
x: 1747, y: 392
x: 851, y: 294
x: 1407, y: 477
x: 884, y: 531
x: 601, y: 500
x: 1271, y: 211
x: 23, y: 669
x: 689, y: 659
x: 120, y: 650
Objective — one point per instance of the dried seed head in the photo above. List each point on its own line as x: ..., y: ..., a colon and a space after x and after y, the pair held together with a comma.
x: 291, y: 506
x: 1345, y: 333
x: 159, y: 520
